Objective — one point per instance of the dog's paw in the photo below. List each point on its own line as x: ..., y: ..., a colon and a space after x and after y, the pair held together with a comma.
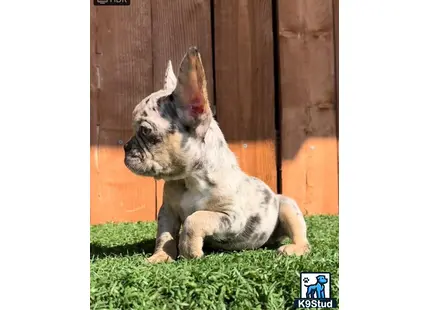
x: 160, y: 257
x: 189, y: 251
x: 190, y: 246
x: 294, y: 249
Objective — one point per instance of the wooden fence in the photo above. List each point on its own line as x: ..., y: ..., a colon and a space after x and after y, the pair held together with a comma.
x: 272, y: 75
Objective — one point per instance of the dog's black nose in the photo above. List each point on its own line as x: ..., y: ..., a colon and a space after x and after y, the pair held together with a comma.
x: 127, y: 146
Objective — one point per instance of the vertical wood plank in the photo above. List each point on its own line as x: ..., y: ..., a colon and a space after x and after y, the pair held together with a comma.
x: 125, y: 48
x: 336, y: 50
x: 123, y: 55
x: 307, y: 93
x: 245, y: 83
x: 94, y: 177
x: 177, y: 25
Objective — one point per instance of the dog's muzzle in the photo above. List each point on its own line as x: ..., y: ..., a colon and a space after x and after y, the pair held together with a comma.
x: 127, y: 146
x: 134, y: 158
x: 131, y: 154
x: 131, y: 150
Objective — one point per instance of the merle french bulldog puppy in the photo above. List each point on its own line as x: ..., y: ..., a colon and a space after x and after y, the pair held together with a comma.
x: 206, y: 193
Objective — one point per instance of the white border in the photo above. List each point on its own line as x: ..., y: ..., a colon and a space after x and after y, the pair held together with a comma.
x: 384, y: 153
x: 44, y: 164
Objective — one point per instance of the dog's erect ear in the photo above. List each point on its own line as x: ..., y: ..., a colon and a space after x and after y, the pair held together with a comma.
x: 169, y: 78
x: 191, y: 89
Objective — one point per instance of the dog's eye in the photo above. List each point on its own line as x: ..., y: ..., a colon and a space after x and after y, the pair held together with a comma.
x: 145, y: 131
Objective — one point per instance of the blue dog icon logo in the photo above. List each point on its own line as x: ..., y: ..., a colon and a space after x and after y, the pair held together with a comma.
x: 316, y: 290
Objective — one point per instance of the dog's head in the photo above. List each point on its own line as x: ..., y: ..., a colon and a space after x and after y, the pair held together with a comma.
x: 170, y: 124
x: 322, y: 279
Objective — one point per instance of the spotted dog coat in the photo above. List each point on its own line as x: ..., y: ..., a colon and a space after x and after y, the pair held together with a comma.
x: 206, y: 193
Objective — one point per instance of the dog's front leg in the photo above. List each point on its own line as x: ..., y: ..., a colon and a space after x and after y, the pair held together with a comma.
x: 195, y: 228
x: 167, y: 236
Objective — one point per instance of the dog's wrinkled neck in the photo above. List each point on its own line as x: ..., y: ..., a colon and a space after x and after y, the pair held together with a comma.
x: 217, y: 161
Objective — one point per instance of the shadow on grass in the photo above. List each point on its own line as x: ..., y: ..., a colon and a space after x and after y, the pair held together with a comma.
x: 145, y: 247
x: 100, y: 251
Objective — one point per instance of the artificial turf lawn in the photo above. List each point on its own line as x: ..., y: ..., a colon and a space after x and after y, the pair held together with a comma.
x: 258, y: 279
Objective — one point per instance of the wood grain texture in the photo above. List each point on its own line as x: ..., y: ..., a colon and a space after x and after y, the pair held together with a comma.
x: 130, y: 47
x: 94, y: 177
x: 121, y: 76
x: 177, y: 25
x: 94, y: 81
x: 122, y: 196
x: 308, y: 104
x: 125, y: 47
x: 336, y: 49
x: 245, y: 83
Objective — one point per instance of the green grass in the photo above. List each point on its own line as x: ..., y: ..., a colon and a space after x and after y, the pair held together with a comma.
x: 260, y: 279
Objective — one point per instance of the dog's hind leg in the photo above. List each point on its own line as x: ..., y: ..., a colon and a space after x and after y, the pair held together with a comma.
x: 292, y: 224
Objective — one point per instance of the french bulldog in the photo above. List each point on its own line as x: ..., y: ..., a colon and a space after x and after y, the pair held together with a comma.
x: 177, y: 139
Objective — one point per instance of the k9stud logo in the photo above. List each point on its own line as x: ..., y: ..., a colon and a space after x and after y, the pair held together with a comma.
x: 315, y: 289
